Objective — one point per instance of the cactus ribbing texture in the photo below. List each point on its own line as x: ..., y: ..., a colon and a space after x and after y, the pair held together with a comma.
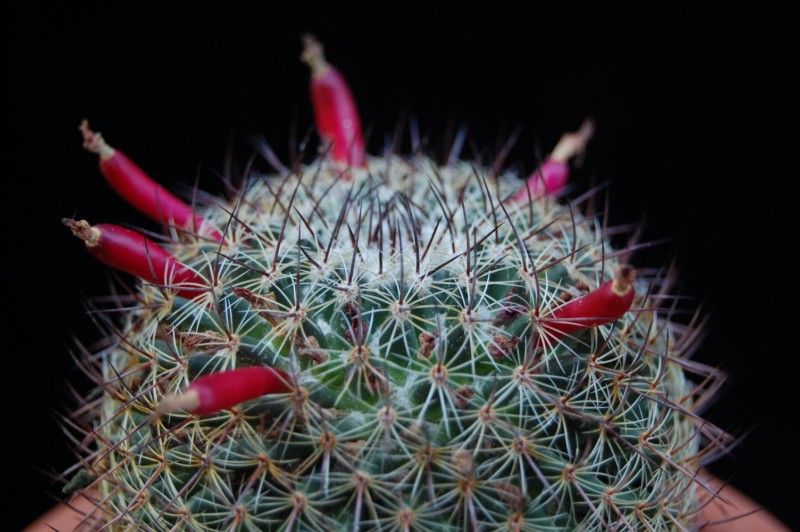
x: 452, y: 355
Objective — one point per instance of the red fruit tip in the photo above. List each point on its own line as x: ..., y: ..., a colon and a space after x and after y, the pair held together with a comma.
x: 314, y: 55
x: 94, y: 142
x: 83, y: 230
x: 623, y: 282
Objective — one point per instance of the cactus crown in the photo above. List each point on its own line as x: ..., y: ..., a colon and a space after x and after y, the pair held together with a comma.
x: 453, y: 358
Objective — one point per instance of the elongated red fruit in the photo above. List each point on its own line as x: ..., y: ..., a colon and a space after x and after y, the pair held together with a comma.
x: 553, y: 174
x: 608, y: 303
x: 218, y: 391
x: 128, y: 251
x: 335, y: 109
x: 139, y: 189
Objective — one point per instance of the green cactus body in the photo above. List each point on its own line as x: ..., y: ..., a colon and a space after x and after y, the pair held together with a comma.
x: 405, y: 303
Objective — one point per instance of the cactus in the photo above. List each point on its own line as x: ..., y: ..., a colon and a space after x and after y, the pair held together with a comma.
x: 387, y: 343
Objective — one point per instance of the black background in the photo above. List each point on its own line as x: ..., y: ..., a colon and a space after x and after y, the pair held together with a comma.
x: 697, y: 130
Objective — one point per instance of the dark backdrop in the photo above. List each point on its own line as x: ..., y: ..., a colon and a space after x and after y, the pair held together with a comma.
x: 697, y: 118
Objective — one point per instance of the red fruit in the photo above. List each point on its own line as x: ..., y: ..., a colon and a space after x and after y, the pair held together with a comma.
x: 128, y: 251
x: 606, y: 304
x: 225, y: 389
x: 335, y: 109
x: 139, y: 189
